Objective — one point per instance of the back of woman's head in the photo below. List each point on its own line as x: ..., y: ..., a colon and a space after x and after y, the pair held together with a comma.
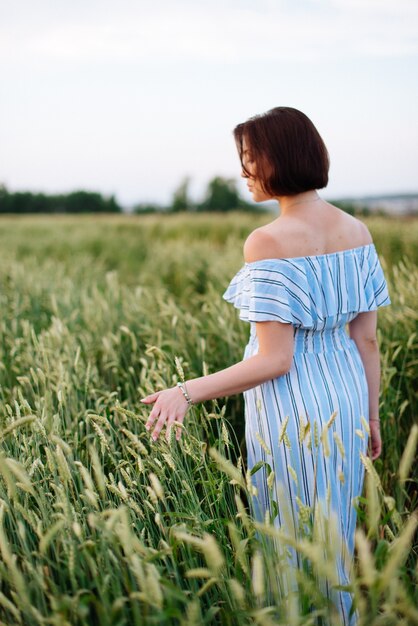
x: 288, y: 151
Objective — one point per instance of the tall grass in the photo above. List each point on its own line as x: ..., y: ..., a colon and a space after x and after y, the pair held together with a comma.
x: 98, y: 525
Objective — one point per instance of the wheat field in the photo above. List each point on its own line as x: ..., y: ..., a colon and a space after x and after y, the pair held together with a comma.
x: 100, y: 525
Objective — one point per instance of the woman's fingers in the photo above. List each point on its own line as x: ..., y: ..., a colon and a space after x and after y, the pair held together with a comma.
x: 170, y: 422
x: 169, y: 410
x: 376, y: 448
x: 179, y: 420
x: 152, y: 417
x: 179, y: 429
x: 151, y: 398
x: 159, y: 426
x: 375, y: 442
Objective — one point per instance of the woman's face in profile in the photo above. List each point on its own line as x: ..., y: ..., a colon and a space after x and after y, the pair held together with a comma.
x: 253, y: 184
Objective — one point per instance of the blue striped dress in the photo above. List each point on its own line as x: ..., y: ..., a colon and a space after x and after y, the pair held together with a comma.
x: 310, y: 425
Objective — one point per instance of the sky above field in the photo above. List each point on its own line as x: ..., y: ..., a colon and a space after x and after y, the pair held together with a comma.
x: 129, y: 97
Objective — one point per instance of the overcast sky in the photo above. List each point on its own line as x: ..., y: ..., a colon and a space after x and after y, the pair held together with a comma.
x: 129, y: 97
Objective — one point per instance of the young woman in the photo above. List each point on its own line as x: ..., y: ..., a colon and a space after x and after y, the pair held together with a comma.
x: 306, y: 275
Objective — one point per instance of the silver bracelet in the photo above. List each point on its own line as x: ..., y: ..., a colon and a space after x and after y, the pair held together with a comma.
x: 182, y: 386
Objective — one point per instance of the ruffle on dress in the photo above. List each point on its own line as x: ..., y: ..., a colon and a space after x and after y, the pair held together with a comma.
x: 303, y: 291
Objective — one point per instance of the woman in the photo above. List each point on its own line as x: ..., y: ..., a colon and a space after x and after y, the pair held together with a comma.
x: 306, y: 275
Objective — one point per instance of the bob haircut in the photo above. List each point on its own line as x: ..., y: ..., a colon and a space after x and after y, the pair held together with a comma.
x: 288, y: 151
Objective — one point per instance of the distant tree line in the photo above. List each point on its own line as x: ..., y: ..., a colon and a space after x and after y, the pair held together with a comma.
x: 221, y: 195
x: 75, y: 202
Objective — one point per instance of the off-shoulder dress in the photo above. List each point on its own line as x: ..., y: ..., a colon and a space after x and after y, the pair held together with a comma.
x: 286, y: 418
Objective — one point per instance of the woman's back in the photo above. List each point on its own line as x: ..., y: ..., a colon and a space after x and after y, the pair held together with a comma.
x: 321, y: 230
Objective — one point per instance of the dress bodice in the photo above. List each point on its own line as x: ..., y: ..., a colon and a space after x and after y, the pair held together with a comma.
x: 314, y: 292
x: 317, y: 294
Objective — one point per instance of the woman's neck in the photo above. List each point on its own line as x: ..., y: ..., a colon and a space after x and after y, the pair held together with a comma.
x: 298, y: 201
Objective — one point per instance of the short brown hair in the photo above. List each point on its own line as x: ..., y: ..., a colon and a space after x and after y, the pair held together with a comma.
x: 289, y: 153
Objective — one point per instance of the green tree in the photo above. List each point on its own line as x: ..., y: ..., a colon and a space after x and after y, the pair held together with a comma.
x: 89, y: 202
x: 181, y: 200
x: 221, y: 195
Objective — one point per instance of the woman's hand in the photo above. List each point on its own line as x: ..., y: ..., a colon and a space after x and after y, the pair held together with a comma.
x: 375, y: 440
x: 170, y: 405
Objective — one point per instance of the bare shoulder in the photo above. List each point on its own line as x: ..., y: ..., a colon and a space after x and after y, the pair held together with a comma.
x: 363, y: 232
x: 260, y: 244
x: 286, y: 238
x: 358, y: 229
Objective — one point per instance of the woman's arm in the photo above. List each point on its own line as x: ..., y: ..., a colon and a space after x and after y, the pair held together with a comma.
x: 363, y: 331
x: 274, y: 358
x: 242, y: 376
